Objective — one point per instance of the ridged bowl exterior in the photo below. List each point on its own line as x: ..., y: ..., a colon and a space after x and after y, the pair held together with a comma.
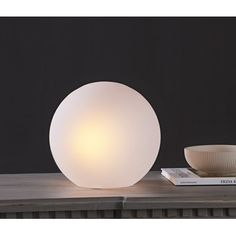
x: 212, y: 159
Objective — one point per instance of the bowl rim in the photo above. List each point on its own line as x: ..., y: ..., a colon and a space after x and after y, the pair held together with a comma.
x: 219, y: 148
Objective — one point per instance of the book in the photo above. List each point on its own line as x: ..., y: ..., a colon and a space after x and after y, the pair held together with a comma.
x: 188, y: 176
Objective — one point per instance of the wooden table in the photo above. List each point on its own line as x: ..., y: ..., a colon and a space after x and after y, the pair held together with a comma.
x: 53, y: 196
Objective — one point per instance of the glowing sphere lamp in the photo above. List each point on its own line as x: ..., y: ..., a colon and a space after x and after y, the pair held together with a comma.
x: 104, y: 135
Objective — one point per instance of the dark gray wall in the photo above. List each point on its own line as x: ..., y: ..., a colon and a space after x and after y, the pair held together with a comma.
x: 185, y: 67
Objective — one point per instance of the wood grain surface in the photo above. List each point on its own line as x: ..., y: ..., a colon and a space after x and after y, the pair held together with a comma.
x: 54, y: 196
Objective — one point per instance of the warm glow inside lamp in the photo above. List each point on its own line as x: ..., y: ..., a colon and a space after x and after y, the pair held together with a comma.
x: 104, y: 135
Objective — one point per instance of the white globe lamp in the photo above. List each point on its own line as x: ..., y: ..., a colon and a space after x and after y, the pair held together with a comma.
x: 104, y: 135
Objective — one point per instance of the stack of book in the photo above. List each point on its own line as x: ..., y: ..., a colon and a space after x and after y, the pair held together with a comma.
x: 188, y: 176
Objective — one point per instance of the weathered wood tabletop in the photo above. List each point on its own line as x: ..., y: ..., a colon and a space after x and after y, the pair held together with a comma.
x: 54, y: 196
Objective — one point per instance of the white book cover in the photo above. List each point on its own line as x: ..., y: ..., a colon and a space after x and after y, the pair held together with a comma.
x: 187, y: 176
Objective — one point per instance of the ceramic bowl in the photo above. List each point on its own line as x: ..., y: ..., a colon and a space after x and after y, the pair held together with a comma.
x: 212, y: 159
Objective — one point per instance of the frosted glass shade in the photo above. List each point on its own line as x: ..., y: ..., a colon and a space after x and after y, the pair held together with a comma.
x: 104, y: 135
